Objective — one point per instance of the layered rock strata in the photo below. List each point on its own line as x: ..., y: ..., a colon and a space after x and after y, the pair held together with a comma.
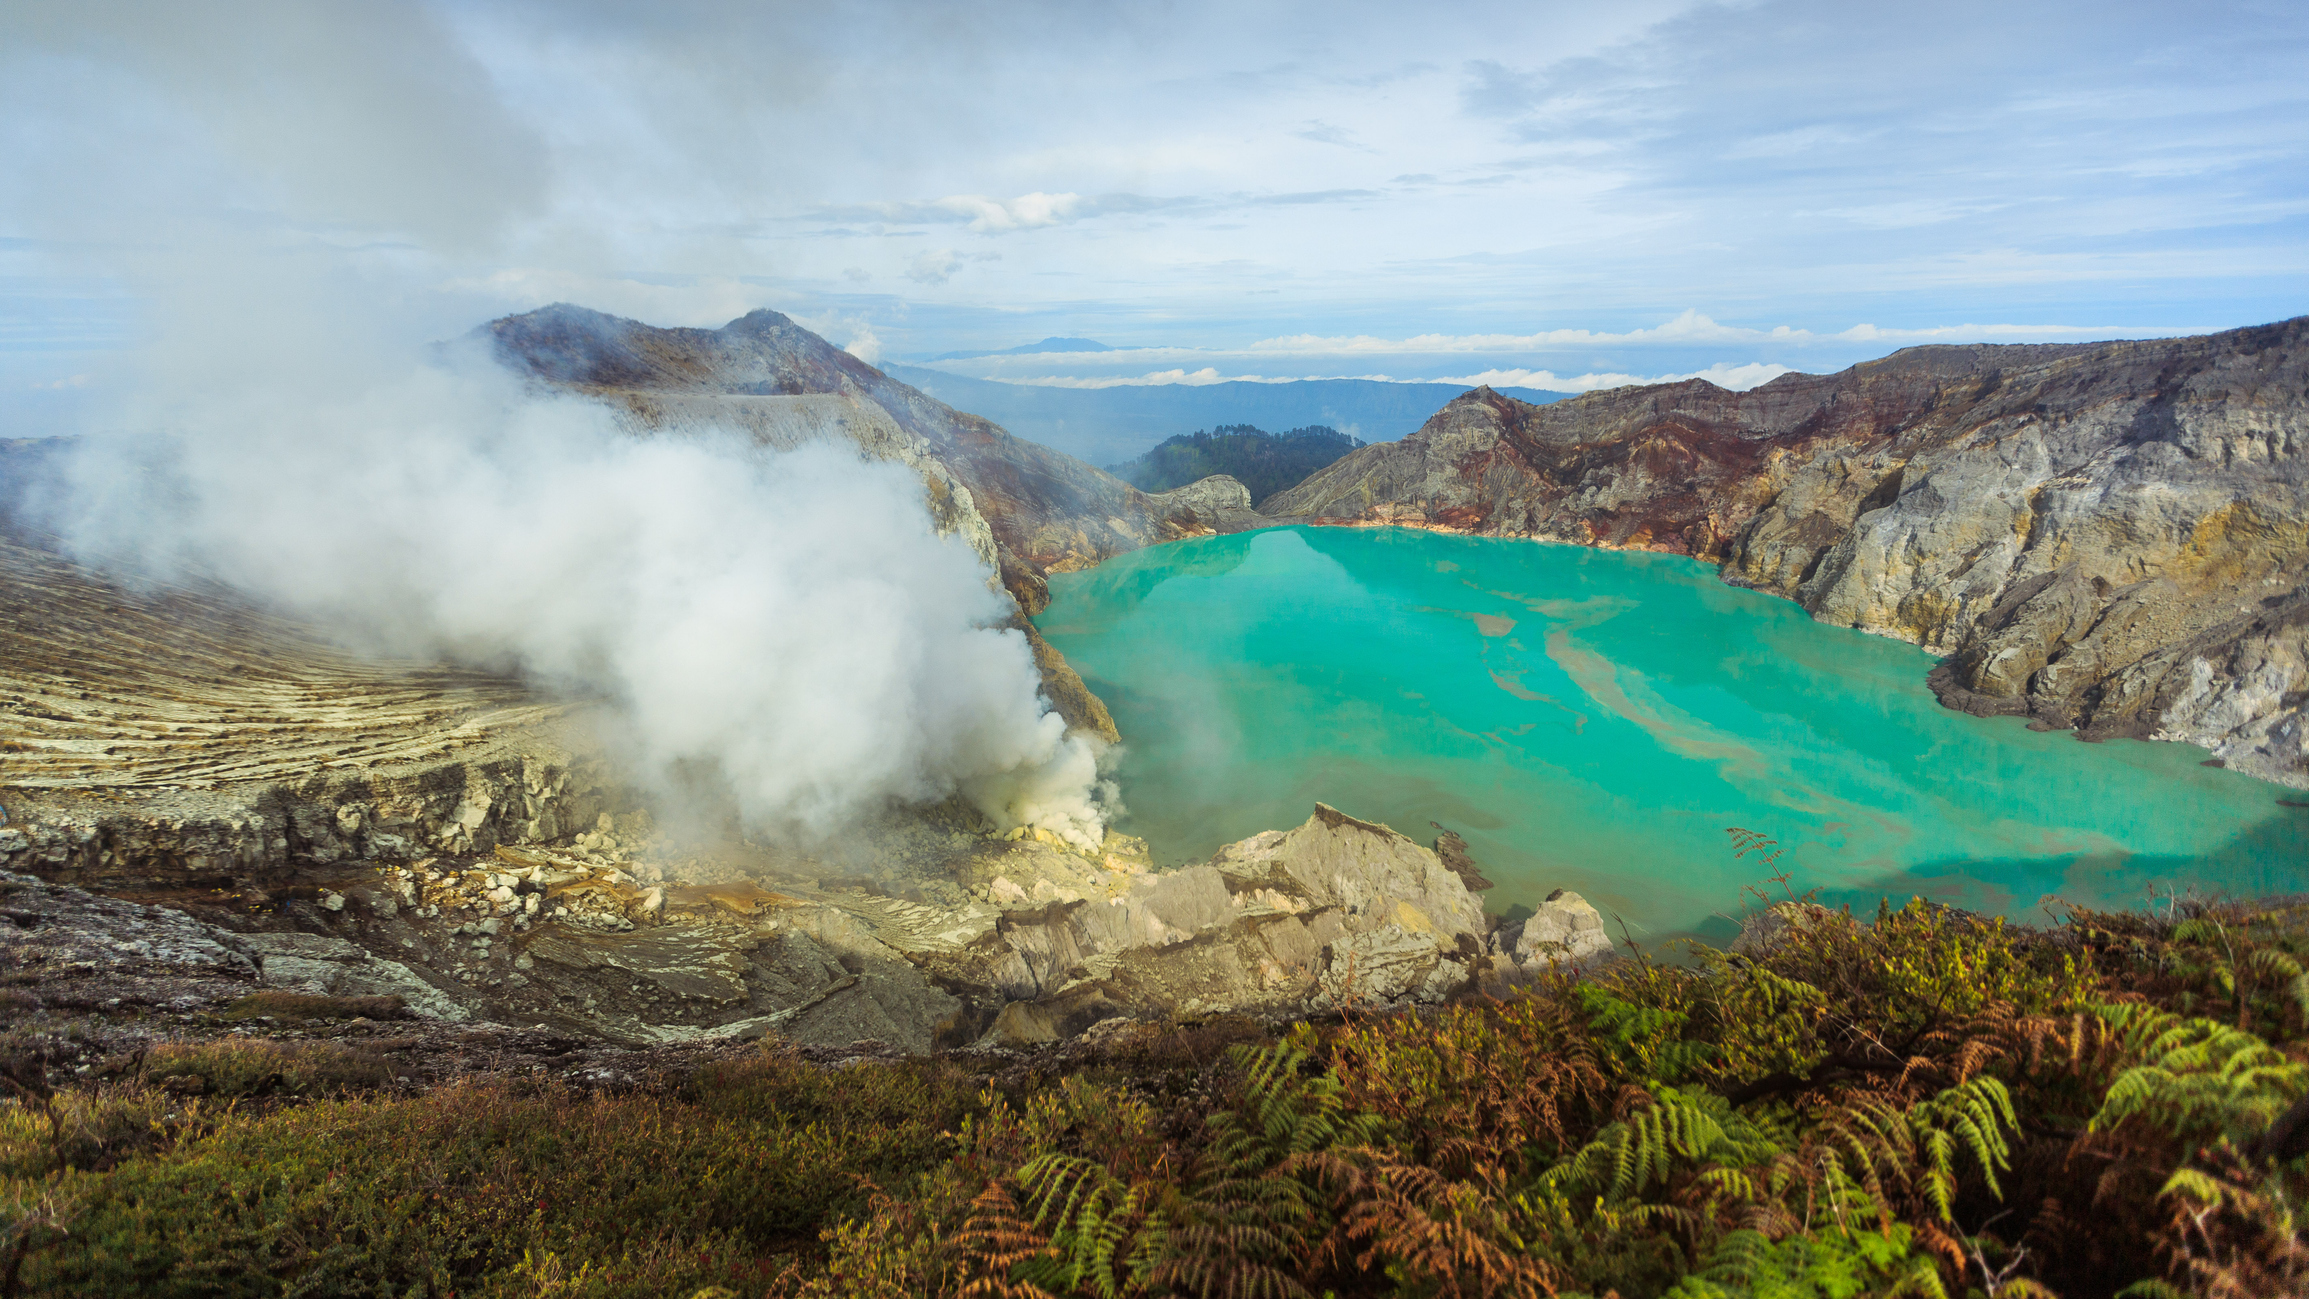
x: 2111, y: 537
x: 167, y: 736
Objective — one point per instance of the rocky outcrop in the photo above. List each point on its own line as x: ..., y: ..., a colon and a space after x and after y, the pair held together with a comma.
x: 1218, y: 503
x: 1563, y: 930
x: 1336, y: 912
x: 2111, y: 537
x: 1013, y: 940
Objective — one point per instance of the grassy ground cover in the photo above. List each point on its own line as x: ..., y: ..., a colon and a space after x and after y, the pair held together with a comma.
x: 1918, y: 1102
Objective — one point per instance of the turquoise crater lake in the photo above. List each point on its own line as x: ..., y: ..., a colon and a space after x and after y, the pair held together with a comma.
x: 1595, y: 720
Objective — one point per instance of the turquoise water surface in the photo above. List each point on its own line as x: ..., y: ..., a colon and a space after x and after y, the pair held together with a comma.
x: 1596, y: 720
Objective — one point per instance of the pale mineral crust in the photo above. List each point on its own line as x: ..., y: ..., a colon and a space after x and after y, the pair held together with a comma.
x: 2109, y: 536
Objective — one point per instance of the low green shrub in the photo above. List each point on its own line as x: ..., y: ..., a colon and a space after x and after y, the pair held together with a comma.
x: 300, y: 1006
x: 1924, y: 1103
x: 490, y: 1190
x: 92, y: 1129
x: 257, y: 1067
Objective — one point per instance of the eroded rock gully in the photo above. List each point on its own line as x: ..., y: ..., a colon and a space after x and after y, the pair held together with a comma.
x: 2110, y: 536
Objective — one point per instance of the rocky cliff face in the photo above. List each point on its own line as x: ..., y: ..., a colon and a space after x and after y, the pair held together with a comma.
x: 1027, y: 510
x: 2112, y: 537
x: 1047, y: 512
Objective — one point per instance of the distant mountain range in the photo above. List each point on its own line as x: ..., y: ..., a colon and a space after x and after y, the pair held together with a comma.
x: 1109, y: 425
x: 1030, y: 349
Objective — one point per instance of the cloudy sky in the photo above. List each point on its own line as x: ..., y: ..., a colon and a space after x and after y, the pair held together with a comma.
x: 1559, y: 195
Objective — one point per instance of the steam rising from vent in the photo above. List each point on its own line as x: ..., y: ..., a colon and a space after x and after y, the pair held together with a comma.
x: 788, y: 619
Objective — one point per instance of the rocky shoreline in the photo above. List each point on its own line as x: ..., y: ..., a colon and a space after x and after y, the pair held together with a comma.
x: 2110, y: 538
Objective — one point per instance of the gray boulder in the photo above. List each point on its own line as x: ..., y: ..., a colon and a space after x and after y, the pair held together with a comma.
x: 1564, y: 928
x: 1335, y: 912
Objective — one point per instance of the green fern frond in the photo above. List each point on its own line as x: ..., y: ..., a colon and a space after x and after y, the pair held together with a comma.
x: 2203, y: 1189
x: 1833, y: 1264
x: 1102, y: 1235
x: 2196, y: 1077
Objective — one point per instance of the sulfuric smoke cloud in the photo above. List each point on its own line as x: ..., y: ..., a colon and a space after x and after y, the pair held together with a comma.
x: 284, y: 200
x: 789, y: 620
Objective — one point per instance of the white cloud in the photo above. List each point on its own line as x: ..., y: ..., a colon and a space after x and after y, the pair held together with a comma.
x: 935, y: 267
x: 1689, y: 327
x: 1154, y: 379
x: 1737, y: 376
x: 987, y: 215
x: 1788, y: 144
x: 1026, y: 212
x: 1610, y: 357
x: 1332, y: 134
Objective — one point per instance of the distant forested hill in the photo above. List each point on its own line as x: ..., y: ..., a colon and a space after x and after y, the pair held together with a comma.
x: 1264, y: 462
x: 1103, y: 425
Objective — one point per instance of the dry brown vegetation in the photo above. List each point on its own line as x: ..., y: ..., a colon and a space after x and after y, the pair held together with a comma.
x: 1921, y: 1102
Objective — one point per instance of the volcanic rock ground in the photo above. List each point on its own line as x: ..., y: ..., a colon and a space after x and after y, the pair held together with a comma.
x: 205, y: 801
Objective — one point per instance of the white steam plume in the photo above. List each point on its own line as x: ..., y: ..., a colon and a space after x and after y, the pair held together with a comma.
x: 789, y: 619
x: 294, y: 196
